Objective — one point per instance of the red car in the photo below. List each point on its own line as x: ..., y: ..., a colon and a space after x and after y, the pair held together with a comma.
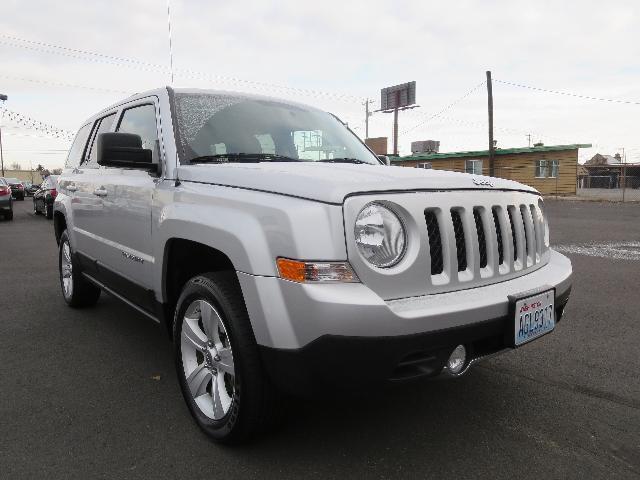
x: 6, y: 202
x: 17, y: 188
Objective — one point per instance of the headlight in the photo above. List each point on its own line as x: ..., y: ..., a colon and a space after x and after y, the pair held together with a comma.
x: 380, y: 235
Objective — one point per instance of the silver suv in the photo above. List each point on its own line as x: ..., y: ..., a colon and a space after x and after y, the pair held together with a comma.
x: 283, y: 256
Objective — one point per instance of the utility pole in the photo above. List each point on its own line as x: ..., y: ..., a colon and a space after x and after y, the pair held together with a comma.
x: 367, y: 114
x: 529, y: 139
x: 3, y: 98
x: 490, y: 108
x: 395, y: 125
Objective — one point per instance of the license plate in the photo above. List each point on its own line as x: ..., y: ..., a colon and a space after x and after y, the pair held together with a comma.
x: 534, y: 316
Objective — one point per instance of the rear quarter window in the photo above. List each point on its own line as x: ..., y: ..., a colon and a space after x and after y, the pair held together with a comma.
x: 77, y: 148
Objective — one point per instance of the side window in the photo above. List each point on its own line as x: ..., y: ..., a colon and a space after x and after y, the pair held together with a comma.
x: 101, y: 126
x: 141, y: 120
x: 77, y: 148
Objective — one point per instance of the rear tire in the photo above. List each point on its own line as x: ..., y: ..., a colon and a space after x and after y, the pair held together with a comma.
x: 8, y: 216
x: 35, y: 208
x: 77, y: 291
x: 233, y: 401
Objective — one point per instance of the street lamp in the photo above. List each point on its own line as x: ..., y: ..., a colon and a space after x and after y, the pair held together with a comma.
x: 4, y: 99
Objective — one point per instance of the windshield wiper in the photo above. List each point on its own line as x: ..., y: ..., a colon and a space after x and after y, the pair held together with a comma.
x: 341, y: 160
x: 243, y: 157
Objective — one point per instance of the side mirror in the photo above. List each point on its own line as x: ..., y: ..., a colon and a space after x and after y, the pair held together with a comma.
x: 385, y: 159
x: 124, y: 150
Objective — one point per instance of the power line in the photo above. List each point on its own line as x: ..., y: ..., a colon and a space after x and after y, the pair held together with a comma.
x: 30, y: 123
x: 568, y: 94
x: 61, y: 84
x: 148, y: 66
x: 448, y: 107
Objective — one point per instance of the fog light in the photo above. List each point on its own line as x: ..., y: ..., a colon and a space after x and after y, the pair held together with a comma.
x: 456, y: 361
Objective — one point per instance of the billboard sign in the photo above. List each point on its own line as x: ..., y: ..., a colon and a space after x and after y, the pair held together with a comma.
x: 398, y: 96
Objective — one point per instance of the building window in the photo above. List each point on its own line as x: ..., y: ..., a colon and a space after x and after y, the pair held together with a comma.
x: 541, y: 168
x: 547, y: 168
x: 473, y: 166
x: 426, y: 165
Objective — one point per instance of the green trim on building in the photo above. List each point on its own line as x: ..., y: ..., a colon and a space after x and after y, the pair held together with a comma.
x: 485, y: 153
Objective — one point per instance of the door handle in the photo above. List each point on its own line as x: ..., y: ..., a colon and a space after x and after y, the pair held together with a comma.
x: 72, y: 188
x: 100, y: 192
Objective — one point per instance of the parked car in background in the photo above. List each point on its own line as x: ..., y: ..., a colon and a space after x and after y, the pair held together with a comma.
x: 17, y: 188
x: 30, y: 189
x: 45, y: 195
x: 6, y: 202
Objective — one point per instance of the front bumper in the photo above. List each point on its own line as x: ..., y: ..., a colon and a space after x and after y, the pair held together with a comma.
x: 347, y: 335
x: 352, y: 363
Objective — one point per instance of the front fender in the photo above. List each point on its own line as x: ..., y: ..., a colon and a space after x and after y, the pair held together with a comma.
x: 251, y: 228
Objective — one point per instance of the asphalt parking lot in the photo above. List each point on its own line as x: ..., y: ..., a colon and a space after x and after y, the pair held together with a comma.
x: 93, y: 394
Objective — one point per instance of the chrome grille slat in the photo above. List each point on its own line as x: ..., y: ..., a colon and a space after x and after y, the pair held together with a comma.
x: 538, y: 228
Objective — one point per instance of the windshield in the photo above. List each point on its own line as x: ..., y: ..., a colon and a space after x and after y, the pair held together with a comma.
x: 238, y: 129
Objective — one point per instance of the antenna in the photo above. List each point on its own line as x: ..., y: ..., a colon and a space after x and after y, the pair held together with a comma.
x: 170, y: 46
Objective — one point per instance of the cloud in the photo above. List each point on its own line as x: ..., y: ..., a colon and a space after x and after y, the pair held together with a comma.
x: 352, y: 48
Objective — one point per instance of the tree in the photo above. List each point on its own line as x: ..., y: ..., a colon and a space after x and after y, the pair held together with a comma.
x: 16, y: 166
x: 56, y: 171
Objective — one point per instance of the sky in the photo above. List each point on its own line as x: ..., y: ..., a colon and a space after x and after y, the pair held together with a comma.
x: 61, y: 62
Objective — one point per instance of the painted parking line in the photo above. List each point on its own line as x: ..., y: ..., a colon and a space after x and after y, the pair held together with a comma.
x: 629, y: 250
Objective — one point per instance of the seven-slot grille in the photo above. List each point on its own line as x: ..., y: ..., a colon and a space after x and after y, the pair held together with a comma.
x: 485, y: 240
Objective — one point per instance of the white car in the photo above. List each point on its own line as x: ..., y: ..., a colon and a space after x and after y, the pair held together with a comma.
x: 282, y: 255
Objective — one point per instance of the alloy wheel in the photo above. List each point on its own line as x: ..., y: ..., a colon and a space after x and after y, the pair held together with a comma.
x: 66, y: 270
x: 207, y: 360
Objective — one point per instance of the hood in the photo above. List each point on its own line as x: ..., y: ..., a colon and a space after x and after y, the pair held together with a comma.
x: 333, y: 182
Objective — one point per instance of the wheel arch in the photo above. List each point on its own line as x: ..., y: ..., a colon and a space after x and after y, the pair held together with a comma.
x: 59, y: 224
x: 182, y: 260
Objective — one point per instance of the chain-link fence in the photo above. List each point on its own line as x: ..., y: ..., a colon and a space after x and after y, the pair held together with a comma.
x: 614, y: 183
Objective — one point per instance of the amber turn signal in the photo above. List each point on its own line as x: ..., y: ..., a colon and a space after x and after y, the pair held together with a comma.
x: 315, y: 272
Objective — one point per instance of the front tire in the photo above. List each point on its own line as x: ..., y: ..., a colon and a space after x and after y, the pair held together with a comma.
x: 77, y: 291
x: 49, y: 211
x: 218, y: 363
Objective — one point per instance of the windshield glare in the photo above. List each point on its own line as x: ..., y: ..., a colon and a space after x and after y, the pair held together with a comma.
x: 211, y: 124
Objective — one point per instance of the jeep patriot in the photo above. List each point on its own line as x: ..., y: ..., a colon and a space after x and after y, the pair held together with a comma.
x: 282, y: 256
